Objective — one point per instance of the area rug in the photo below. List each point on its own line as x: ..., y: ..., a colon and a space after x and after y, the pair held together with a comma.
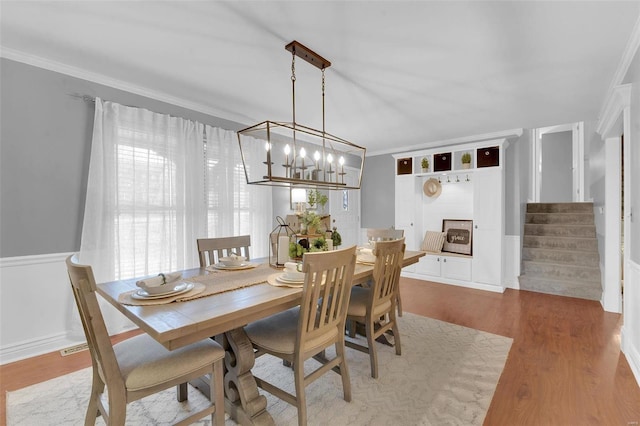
x: 446, y: 375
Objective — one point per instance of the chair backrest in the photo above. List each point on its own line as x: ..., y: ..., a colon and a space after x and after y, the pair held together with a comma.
x: 212, y: 249
x: 387, y: 234
x: 103, y: 357
x: 386, y: 272
x: 325, y: 297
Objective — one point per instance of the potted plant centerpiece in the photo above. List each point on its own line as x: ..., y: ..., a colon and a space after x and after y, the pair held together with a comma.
x: 466, y: 160
x: 311, y: 222
x: 424, y: 164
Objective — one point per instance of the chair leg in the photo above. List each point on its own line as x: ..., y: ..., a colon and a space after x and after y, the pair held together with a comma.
x: 117, y: 409
x: 352, y: 328
x: 373, y: 355
x: 399, y: 303
x: 182, y: 392
x: 396, y: 333
x: 344, y: 371
x: 217, y: 388
x: 97, y: 388
x: 301, y: 400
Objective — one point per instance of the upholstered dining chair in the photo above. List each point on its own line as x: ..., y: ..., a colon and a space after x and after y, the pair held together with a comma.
x: 387, y: 234
x: 139, y: 366
x: 212, y: 249
x: 375, y: 306
x: 300, y: 333
x: 384, y: 234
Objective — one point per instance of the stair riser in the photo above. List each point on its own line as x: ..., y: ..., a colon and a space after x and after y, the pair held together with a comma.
x: 561, y: 272
x: 565, y: 257
x: 582, y: 244
x: 560, y: 208
x: 580, y: 231
x: 560, y: 218
x: 560, y: 288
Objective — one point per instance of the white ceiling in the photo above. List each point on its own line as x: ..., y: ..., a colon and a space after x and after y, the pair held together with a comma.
x: 404, y: 73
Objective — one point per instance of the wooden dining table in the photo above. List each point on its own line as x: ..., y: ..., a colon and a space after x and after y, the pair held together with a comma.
x: 222, y: 315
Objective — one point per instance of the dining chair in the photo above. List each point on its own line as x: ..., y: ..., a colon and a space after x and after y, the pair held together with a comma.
x: 139, y: 366
x: 375, y: 306
x: 300, y: 333
x: 210, y: 250
x: 387, y: 234
x: 384, y: 234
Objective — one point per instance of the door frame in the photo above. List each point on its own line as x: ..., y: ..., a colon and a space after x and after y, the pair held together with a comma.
x: 615, y: 122
x: 577, y: 156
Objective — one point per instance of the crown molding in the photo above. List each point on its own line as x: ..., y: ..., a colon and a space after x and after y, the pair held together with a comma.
x: 503, y: 134
x: 50, y: 65
x: 619, y: 98
x: 632, y: 47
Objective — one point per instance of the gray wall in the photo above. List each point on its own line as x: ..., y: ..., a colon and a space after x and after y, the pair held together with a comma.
x: 516, y: 171
x: 45, y: 140
x: 556, y: 185
x: 377, y: 193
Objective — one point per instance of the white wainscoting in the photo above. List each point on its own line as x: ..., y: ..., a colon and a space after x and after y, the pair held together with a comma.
x: 37, y: 310
x: 511, y: 268
x: 630, y: 333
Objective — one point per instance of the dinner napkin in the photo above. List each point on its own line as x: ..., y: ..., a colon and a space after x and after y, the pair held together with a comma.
x: 161, y: 279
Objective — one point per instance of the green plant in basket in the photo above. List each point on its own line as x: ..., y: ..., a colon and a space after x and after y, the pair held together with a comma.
x: 311, y: 222
x: 424, y: 163
x: 466, y: 158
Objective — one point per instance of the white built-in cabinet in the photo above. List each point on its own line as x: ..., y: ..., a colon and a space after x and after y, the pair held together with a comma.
x: 472, y: 193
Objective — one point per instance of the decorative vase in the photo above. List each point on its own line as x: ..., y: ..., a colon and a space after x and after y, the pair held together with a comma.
x: 425, y: 170
x: 466, y: 165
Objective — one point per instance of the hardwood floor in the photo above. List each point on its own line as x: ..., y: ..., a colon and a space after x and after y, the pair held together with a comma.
x: 565, y: 366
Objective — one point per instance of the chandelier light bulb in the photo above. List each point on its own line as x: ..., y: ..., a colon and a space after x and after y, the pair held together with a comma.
x: 287, y: 149
x: 330, y: 158
x: 316, y: 156
x: 303, y: 152
x: 341, y: 161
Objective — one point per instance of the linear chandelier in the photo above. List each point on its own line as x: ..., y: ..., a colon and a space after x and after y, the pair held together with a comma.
x: 289, y: 154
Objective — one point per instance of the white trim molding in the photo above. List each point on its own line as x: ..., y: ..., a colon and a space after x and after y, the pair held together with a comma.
x: 610, y: 122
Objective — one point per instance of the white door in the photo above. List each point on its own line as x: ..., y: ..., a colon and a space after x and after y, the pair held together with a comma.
x: 344, y: 206
x: 488, y: 204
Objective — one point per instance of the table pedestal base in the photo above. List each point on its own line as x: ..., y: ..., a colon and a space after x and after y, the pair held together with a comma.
x: 243, y: 402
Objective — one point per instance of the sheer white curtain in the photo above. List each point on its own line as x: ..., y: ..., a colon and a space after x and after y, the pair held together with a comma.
x: 144, y: 202
x: 233, y: 207
x: 154, y: 187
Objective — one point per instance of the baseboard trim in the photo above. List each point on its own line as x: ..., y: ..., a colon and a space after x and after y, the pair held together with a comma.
x: 631, y: 350
x: 467, y: 284
x: 29, y: 349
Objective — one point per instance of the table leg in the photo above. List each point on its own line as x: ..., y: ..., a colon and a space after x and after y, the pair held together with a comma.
x: 243, y: 402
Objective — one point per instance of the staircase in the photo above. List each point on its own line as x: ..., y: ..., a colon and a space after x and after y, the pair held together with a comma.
x: 560, y: 251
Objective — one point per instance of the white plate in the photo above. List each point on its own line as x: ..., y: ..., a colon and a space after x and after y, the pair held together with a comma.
x: 243, y: 265
x: 282, y: 279
x: 178, y: 289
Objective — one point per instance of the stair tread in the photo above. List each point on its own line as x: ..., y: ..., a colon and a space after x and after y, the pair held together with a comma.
x: 561, y: 264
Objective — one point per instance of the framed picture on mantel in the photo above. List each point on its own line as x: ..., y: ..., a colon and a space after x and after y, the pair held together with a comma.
x: 458, y: 236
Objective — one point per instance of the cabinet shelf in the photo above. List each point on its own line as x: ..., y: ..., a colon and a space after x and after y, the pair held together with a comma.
x: 487, y: 154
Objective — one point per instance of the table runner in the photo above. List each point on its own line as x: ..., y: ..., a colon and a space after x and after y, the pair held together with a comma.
x: 214, y: 282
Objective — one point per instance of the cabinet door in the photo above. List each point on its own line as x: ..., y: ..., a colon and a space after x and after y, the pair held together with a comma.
x: 456, y: 268
x: 405, y: 208
x: 429, y: 265
x: 488, y: 217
